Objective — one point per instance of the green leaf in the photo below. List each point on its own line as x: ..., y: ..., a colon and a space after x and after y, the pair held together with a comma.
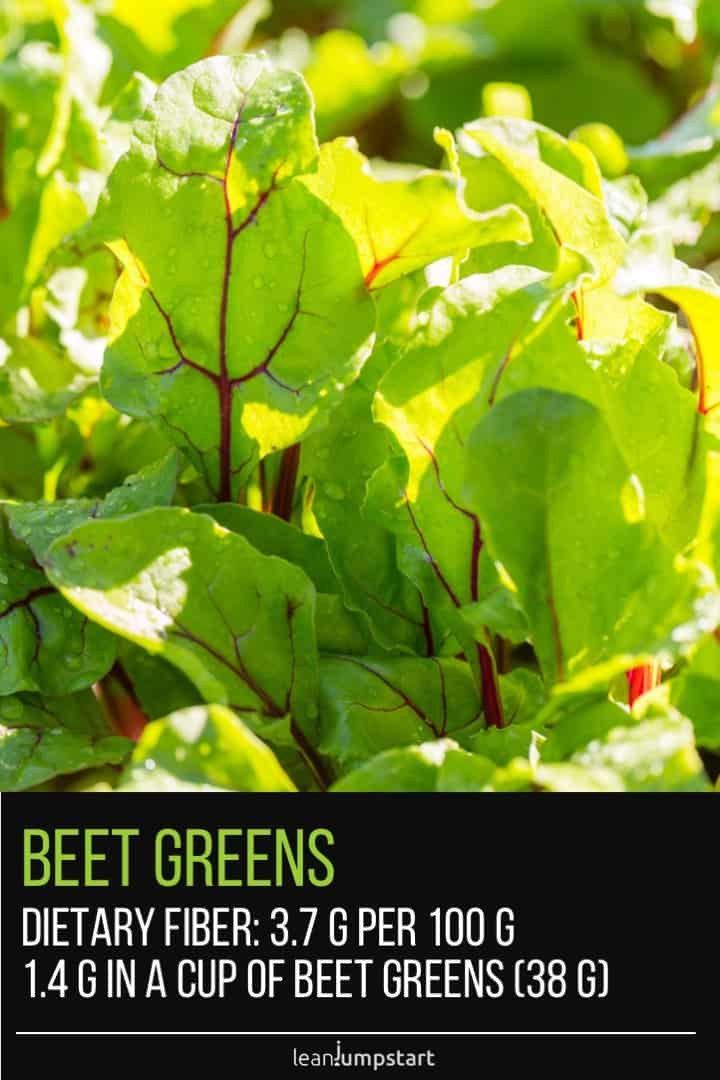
x: 368, y: 705
x: 580, y: 722
x: 560, y: 179
x: 338, y: 630
x: 557, y: 183
x: 237, y: 623
x: 524, y: 696
x: 696, y: 694
x: 499, y: 609
x: 159, y: 687
x: 273, y: 536
x: 651, y: 267
x: 402, y: 225
x: 362, y: 551
x: 434, y: 766
x: 443, y: 382
x: 36, y: 381
x: 46, y: 646
x: 41, y: 738
x: 655, y: 422
x: 657, y: 754
x: 39, y: 524
x: 231, y: 338
x: 596, y: 745
x: 565, y: 517
x: 206, y: 748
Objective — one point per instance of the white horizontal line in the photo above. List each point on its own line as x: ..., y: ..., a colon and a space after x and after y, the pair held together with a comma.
x: 392, y: 1034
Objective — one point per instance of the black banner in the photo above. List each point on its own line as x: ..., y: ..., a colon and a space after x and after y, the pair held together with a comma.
x: 386, y: 925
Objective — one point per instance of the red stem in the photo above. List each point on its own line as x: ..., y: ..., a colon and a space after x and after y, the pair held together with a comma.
x: 492, y: 703
x: 123, y: 707
x: 284, y: 497
x: 263, y: 481
x: 641, y: 680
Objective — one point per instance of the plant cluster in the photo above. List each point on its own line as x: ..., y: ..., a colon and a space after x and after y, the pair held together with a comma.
x: 323, y: 472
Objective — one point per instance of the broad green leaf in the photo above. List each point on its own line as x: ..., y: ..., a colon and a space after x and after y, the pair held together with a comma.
x: 657, y: 754
x: 363, y: 552
x: 341, y: 630
x: 477, y: 334
x: 557, y: 183
x: 368, y: 705
x: 565, y: 517
x: 579, y: 723
x: 237, y: 623
x: 598, y: 746
x: 651, y: 267
x: 41, y: 738
x: 272, y: 536
x: 654, y: 421
x: 491, y: 181
x: 562, y: 179
x: 231, y: 301
x: 39, y: 524
x: 206, y: 748
x: 402, y: 225
x: 433, y: 766
x: 46, y: 645
x: 338, y: 630
x: 696, y: 693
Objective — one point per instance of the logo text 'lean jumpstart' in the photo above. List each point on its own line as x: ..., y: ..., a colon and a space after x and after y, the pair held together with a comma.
x: 363, y: 1059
